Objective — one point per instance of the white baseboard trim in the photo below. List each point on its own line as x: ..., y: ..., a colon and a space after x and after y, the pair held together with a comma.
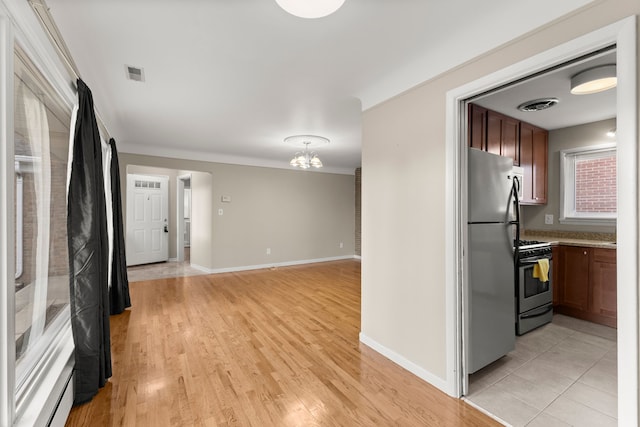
x: 272, y: 265
x: 358, y: 257
x: 405, y: 363
x: 201, y: 268
x: 173, y: 260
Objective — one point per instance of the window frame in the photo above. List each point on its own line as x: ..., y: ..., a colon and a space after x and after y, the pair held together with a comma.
x: 39, y: 397
x: 568, y: 214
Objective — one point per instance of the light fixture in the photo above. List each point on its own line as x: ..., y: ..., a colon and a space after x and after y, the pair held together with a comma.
x: 310, y: 8
x: 594, y: 80
x: 306, y: 159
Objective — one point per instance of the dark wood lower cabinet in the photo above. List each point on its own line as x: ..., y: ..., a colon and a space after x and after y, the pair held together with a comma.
x: 585, y: 283
x: 604, y: 296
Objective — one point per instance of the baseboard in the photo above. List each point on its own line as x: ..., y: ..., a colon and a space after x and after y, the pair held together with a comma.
x: 173, y: 260
x: 272, y: 265
x: 418, y: 371
x: 358, y: 257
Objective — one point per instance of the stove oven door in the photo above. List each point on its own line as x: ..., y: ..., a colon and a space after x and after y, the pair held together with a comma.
x: 533, y: 293
x: 535, y: 298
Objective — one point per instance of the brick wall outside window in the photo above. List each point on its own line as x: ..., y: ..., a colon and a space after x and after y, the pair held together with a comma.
x: 596, y: 184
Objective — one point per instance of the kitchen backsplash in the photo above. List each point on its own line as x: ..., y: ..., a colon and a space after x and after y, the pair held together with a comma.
x: 583, y: 235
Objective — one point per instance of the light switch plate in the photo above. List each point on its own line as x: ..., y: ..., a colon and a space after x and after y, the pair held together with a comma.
x: 548, y: 219
x: 226, y: 199
x: 220, y: 212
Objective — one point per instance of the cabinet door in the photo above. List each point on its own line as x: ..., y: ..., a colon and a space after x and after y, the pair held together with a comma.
x: 503, y: 136
x: 477, y: 127
x: 494, y: 132
x: 604, y: 294
x: 510, y: 143
x: 575, y: 289
x: 540, y: 159
x: 533, y: 159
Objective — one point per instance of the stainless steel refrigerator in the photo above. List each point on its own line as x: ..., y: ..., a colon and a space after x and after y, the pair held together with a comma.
x: 491, y: 273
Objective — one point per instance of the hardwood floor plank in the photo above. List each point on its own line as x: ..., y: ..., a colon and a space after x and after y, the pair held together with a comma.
x: 275, y: 347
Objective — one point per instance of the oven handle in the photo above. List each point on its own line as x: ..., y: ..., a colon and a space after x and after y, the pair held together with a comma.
x: 525, y: 263
x: 531, y: 316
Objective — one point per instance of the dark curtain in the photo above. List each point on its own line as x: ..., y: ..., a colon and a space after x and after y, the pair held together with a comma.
x: 88, y: 257
x: 119, y: 292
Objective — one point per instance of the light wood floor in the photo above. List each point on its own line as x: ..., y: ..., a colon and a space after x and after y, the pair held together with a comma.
x: 260, y: 348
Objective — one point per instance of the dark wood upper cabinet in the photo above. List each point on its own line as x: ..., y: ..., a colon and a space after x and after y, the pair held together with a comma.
x: 503, y: 136
x: 477, y: 127
x: 526, y: 144
x: 534, y: 146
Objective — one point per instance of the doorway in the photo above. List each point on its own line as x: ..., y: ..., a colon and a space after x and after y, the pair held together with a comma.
x: 623, y: 36
x: 183, y: 214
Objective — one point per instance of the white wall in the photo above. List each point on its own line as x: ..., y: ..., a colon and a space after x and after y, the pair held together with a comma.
x: 403, y: 196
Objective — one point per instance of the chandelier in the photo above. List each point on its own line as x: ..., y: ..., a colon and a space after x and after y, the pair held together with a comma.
x: 310, y: 8
x: 306, y: 159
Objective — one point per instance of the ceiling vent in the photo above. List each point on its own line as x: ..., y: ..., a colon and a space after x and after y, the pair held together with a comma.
x: 135, y: 73
x: 538, y: 104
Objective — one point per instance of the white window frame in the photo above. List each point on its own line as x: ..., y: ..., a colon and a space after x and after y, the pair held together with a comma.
x: 568, y: 214
x: 37, y: 399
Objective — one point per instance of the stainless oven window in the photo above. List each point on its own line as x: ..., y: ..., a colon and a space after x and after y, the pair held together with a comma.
x: 532, y: 285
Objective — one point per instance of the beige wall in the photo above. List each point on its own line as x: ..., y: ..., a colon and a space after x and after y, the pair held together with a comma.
x: 201, y: 220
x: 563, y: 139
x: 299, y: 215
x: 403, y: 195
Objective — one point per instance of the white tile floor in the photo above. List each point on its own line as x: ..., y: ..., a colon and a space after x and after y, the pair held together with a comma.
x: 562, y: 374
x: 163, y: 270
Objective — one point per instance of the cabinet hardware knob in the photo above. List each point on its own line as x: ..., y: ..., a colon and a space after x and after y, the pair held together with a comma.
x: 585, y: 252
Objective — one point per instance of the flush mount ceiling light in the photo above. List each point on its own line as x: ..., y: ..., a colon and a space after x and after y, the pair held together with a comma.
x: 305, y: 159
x: 594, y: 80
x: 538, y: 104
x: 310, y: 8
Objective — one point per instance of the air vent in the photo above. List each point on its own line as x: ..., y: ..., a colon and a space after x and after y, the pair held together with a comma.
x: 538, y: 104
x: 135, y: 73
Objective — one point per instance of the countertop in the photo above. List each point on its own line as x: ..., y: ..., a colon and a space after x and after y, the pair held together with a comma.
x: 580, y: 239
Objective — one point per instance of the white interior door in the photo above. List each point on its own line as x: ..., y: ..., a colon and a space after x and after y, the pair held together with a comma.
x: 147, y: 219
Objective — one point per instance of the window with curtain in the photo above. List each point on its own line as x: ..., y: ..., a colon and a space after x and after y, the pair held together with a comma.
x: 41, y: 125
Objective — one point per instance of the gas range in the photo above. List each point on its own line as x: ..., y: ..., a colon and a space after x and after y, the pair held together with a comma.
x: 533, y: 248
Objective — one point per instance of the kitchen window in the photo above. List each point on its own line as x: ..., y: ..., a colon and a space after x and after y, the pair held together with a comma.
x: 588, y: 185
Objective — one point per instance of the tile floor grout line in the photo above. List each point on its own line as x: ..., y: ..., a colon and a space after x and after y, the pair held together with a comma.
x: 571, y: 333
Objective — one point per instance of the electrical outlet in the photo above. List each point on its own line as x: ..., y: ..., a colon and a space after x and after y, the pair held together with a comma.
x: 341, y: 245
x: 220, y: 212
x: 268, y: 251
x: 548, y: 219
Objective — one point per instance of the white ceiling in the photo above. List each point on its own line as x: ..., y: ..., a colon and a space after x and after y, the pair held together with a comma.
x: 228, y: 80
x: 571, y: 110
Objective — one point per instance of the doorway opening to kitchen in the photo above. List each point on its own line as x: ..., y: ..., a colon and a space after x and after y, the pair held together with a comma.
x: 521, y: 396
